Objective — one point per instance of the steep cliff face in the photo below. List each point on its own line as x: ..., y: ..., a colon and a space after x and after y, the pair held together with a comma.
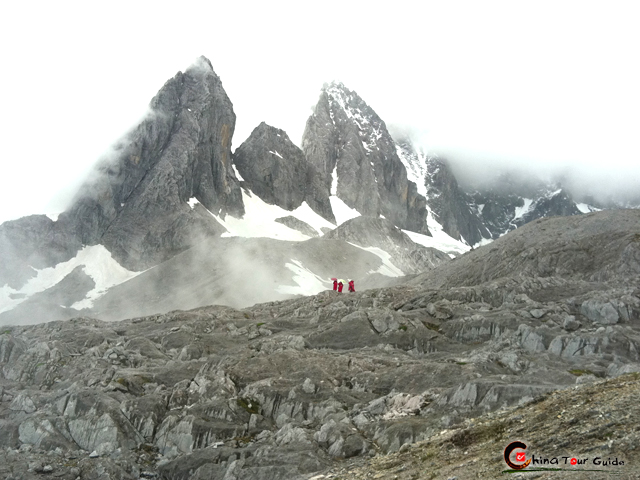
x: 276, y: 170
x: 453, y: 208
x: 350, y: 145
x: 136, y: 202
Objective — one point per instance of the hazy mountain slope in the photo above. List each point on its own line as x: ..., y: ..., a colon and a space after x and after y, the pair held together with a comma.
x: 449, y: 205
x: 241, y: 272
x: 598, y: 246
x: 29, y: 243
x: 238, y: 272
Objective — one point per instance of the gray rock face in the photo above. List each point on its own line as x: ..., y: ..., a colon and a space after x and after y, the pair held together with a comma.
x: 276, y: 170
x: 346, y: 136
x: 600, y: 311
x: 297, y: 224
x: 452, y: 206
x: 136, y: 202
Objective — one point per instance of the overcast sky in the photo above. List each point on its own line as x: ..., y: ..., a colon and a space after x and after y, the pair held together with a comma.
x: 543, y: 85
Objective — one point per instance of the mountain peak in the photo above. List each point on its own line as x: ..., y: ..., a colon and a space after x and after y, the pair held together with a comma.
x: 202, y: 63
x: 182, y: 150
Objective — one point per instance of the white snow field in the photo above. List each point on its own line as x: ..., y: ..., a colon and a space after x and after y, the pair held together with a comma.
x: 308, y: 283
x: 259, y: 220
x: 586, y: 208
x: 439, y: 239
x: 96, y: 261
x: 342, y: 211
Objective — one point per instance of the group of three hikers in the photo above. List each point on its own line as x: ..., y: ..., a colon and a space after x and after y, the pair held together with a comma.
x: 338, y: 284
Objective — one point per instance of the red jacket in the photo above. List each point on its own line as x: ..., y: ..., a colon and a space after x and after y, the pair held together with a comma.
x: 340, y: 287
x: 352, y: 287
x: 335, y: 284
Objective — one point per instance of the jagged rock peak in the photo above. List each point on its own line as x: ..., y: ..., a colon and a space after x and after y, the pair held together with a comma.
x: 348, y: 100
x: 349, y: 144
x: 136, y: 201
x: 275, y: 169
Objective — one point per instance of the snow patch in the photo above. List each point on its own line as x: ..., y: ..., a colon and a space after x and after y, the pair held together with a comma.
x: 439, y: 239
x: 484, y: 241
x: 586, y: 208
x: 53, y: 216
x: 259, y: 220
x: 334, y: 180
x: 521, y: 211
x: 308, y: 283
x: 275, y: 153
x: 341, y: 210
x: 96, y: 261
x: 235, y: 170
x: 193, y: 201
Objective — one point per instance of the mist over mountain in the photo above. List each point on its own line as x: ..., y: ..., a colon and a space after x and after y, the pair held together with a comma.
x: 172, y: 184
x: 179, y: 321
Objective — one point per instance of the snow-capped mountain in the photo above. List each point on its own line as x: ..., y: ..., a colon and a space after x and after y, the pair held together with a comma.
x: 476, y: 215
x: 172, y: 219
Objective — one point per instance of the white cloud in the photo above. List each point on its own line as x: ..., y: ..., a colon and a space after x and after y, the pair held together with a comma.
x: 550, y: 83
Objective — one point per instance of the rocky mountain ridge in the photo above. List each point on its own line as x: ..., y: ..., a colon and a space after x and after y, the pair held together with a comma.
x: 289, y: 389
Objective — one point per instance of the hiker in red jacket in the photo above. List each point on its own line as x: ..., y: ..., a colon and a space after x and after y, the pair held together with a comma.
x: 352, y: 287
x: 335, y: 284
x: 340, y: 285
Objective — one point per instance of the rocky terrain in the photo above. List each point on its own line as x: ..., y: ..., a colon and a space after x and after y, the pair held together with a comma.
x: 291, y: 389
x: 594, y: 424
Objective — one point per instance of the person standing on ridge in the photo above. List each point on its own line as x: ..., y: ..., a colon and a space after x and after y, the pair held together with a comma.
x: 335, y: 284
x: 340, y: 285
x: 352, y: 287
